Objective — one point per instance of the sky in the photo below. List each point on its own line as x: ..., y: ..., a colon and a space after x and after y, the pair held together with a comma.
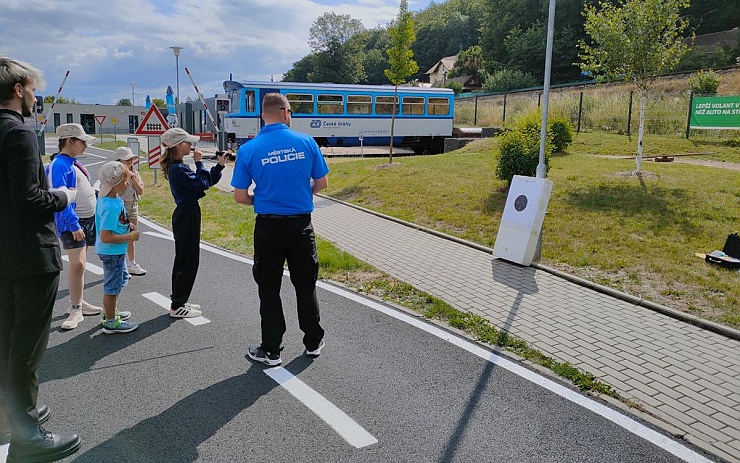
x: 107, y: 44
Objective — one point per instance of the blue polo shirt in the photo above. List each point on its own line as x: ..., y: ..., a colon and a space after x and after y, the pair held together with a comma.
x: 281, y: 162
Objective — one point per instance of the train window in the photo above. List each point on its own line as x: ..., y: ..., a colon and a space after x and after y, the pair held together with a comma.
x: 250, y: 106
x: 330, y: 104
x: 359, y: 104
x: 413, y: 104
x: 439, y: 106
x: 384, y: 104
x: 300, y: 103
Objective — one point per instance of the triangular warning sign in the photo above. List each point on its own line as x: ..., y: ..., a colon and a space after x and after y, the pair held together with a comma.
x: 153, y: 123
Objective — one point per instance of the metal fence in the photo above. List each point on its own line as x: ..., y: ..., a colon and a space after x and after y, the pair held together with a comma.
x: 590, y: 108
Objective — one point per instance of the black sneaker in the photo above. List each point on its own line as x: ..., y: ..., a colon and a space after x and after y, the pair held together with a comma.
x: 316, y: 352
x: 259, y: 354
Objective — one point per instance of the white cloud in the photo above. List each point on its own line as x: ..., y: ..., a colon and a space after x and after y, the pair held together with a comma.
x: 108, y: 44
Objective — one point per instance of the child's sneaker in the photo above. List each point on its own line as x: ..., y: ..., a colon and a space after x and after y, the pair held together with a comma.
x: 73, y: 319
x: 89, y: 309
x: 135, y: 269
x: 122, y: 314
x: 118, y: 326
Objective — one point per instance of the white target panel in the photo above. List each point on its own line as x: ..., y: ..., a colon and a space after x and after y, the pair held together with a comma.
x: 522, y: 220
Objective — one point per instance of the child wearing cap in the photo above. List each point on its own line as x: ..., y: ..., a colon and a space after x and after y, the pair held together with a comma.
x: 131, y: 197
x: 187, y: 188
x: 76, y: 223
x: 114, y: 233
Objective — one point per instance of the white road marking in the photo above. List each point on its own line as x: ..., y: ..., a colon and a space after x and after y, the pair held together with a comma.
x: 631, y: 425
x: 164, y: 302
x: 339, y: 421
x: 160, y: 235
x: 88, y: 266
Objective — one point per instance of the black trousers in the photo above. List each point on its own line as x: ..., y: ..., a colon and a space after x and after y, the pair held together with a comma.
x: 186, y: 230
x: 277, y: 240
x: 26, y: 306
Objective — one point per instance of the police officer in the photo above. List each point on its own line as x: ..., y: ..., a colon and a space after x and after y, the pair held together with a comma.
x: 287, y: 169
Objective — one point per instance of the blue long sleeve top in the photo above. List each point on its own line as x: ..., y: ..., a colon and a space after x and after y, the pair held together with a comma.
x: 61, y: 172
x: 187, y: 186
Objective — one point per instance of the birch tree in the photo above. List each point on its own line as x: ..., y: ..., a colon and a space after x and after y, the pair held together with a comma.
x: 634, y: 40
x: 400, y: 57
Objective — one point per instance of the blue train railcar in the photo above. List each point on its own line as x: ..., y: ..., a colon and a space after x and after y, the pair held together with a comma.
x: 348, y: 115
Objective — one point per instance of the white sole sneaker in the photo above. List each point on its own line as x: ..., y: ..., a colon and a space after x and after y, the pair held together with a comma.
x: 317, y: 351
x: 136, y: 271
x: 89, y: 309
x: 184, y: 312
x: 72, y: 321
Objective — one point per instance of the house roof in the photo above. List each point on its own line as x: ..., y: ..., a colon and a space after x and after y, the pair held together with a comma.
x: 448, y: 62
x: 715, y: 39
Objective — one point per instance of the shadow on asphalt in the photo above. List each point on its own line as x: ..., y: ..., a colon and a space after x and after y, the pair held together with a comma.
x: 79, y: 354
x: 521, y: 279
x: 176, y: 433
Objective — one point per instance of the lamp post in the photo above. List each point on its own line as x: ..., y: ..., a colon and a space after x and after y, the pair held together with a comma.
x: 177, y: 69
x: 133, y: 99
x: 133, y: 104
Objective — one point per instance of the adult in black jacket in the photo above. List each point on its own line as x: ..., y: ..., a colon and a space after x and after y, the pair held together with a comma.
x: 30, y: 262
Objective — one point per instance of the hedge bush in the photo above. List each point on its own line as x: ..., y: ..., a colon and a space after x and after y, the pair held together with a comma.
x: 519, y: 148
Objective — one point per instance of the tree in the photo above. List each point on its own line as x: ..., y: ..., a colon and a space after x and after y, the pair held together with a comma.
x: 124, y: 102
x: 469, y: 63
x: 332, y: 28
x: 61, y: 100
x: 635, y: 40
x: 159, y: 103
x: 337, y: 58
x: 400, y: 57
x: 301, y: 69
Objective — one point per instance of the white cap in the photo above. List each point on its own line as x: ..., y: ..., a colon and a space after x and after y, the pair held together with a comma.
x: 124, y: 153
x: 73, y: 131
x: 175, y: 136
x: 110, y: 174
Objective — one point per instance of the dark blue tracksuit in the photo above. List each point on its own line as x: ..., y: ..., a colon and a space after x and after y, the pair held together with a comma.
x: 187, y: 188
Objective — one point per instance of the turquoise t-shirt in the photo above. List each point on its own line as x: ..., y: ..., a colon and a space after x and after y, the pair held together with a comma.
x: 110, y: 214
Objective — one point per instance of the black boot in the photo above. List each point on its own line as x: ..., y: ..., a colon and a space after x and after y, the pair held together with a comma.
x: 42, y: 446
x: 44, y: 413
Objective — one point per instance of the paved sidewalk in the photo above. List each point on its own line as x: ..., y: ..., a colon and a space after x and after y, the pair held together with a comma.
x: 684, y: 375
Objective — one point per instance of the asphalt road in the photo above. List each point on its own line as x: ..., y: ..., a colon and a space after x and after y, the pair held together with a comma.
x: 388, y: 387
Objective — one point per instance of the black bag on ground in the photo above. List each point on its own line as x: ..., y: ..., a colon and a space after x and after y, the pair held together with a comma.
x: 732, y: 246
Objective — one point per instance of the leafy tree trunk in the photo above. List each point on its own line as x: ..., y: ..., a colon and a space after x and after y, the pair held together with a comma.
x: 393, y: 123
x: 641, y: 131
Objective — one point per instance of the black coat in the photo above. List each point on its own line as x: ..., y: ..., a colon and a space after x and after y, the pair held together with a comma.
x: 29, y: 245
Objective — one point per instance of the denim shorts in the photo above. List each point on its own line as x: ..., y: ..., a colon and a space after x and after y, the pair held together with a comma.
x: 88, y: 226
x: 115, y: 273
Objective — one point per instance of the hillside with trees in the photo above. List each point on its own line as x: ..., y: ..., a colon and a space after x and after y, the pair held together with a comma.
x: 500, y: 41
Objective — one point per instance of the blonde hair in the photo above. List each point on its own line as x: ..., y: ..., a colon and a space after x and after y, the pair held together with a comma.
x: 14, y: 72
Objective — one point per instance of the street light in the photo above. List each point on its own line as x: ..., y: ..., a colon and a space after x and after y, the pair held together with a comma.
x: 177, y: 70
x: 133, y: 99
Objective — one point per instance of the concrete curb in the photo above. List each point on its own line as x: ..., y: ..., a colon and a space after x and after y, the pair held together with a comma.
x: 673, y: 313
